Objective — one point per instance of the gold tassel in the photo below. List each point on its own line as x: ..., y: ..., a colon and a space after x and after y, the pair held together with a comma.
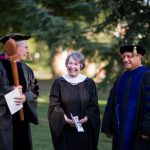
x: 135, y: 51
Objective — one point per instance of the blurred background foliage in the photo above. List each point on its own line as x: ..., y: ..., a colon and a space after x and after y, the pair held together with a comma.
x: 96, y: 27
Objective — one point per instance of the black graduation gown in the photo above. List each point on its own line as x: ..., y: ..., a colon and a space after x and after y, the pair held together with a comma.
x: 14, y: 134
x: 132, y: 122
x: 81, y: 100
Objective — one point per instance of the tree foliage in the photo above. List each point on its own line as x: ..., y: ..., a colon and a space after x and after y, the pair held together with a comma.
x: 68, y: 23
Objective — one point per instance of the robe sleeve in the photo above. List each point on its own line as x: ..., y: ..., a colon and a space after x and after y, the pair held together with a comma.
x: 3, y: 90
x: 30, y: 106
x: 108, y: 117
x: 55, y: 113
x: 145, y: 126
x: 93, y: 112
x: 3, y: 80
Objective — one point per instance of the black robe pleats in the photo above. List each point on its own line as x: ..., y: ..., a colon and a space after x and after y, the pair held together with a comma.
x: 127, y: 113
x: 14, y: 134
x: 80, y: 100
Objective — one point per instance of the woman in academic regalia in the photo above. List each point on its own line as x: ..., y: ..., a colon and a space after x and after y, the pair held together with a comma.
x: 74, y: 94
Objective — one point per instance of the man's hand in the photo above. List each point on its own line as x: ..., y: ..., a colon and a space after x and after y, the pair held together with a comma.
x: 145, y: 137
x: 19, y: 87
x: 20, y: 100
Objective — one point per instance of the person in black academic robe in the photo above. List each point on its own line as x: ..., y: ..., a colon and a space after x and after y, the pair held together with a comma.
x: 14, y: 133
x: 74, y: 94
x: 127, y: 113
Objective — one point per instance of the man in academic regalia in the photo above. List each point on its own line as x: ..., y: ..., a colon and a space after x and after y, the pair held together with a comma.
x: 127, y: 113
x: 15, y: 133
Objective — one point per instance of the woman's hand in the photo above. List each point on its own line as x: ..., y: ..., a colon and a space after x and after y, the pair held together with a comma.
x: 83, y: 120
x: 69, y: 121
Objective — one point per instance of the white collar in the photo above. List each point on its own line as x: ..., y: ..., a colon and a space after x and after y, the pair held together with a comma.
x: 76, y: 80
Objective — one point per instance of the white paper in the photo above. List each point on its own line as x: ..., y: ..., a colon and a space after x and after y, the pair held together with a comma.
x: 10, y: 99
x: 77, y: 123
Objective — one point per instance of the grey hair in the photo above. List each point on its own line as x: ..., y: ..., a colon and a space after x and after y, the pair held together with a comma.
x: 18, y: 43
x: 78, y: 57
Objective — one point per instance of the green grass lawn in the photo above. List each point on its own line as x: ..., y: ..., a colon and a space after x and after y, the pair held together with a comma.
x: 41, y: 136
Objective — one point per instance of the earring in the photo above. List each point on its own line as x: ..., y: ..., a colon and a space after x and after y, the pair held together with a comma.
x: 29, y: 56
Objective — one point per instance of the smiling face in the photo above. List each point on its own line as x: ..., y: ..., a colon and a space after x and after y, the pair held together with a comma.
x: 73, y: 67
x: 130, y: 61
x: 22, y: 49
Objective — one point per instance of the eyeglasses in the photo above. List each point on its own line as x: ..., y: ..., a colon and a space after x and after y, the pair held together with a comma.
x: 127, y: 56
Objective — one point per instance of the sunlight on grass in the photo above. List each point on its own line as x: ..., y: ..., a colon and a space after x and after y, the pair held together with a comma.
x: 42, y: 100
x: 102, y: 102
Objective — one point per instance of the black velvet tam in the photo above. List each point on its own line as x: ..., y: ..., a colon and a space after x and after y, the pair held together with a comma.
x: 15, y: 36
x: 130, y: 48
